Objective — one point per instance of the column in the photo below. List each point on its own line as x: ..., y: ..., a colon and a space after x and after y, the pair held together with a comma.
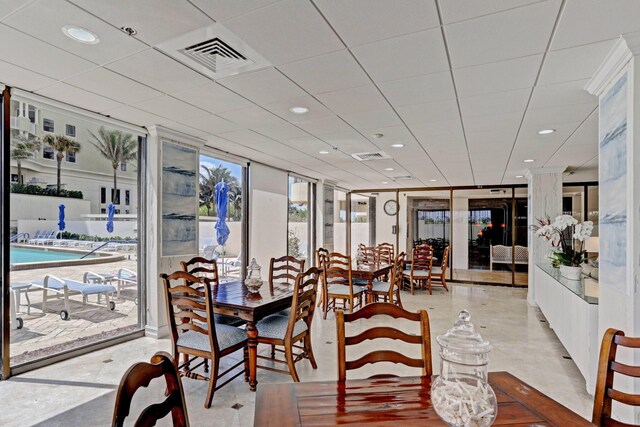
x: 544, y: 199
x: 460, y: 243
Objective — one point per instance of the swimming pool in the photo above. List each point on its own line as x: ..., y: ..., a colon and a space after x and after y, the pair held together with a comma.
x: 22, y: 255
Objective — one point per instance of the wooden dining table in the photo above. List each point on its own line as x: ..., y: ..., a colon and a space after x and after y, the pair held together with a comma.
x: 399, y: 402
x: 233, y: 299
x: 370, y: 272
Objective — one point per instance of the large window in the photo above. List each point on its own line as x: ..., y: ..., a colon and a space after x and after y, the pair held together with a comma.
x: 300, y: 219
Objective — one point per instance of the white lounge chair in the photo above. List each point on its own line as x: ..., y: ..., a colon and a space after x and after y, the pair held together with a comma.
x: 37, y: 235
x: 123, y: 278
x: 66, y: 287
x: 44, y: 236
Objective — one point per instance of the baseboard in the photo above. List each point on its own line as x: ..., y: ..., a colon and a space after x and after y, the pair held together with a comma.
x: 156, y: 332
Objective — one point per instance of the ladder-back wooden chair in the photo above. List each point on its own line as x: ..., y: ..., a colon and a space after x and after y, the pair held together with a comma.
x: 338, y: 284
x: 194, y: 332
x: 369, y: 254
x: 421, y: 264
x: 386, y: 253
x: 439, y: 274
x: 608, y: 368
x: 285, y: 332
x: 376, y: 309
x: 140, y: 375
x: 284, y: 270
x: 390, y: 291
x: 321, y: 255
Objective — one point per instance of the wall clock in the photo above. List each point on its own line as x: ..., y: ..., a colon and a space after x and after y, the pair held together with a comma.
x: 391, y: 207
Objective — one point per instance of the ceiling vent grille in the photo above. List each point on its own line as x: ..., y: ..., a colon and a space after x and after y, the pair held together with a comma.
x: 365, y: 157
x: 214, y: 51
x: 402, y: 178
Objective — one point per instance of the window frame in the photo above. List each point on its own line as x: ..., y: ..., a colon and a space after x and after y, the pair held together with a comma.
x: 53, y: 125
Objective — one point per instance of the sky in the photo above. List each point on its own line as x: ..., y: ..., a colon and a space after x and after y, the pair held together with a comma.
x: 236, y: 170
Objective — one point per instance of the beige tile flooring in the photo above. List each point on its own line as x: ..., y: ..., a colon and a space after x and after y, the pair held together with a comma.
x: 81, y: 391
x: 496, y: 276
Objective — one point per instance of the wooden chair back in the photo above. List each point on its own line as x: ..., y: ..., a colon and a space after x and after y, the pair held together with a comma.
x: 386, y: 253
x: 422, y: 257
x: 605, y: 393
x: 189, y: 306
x: 140, y: 375
x: 369, y: 254
x: 396, y: 276
x: 337, y: 269
x: 375, y: 309
x: 304, y: 299
x: 445, y: 260
x: 284, y: 270
x: 203, y: 268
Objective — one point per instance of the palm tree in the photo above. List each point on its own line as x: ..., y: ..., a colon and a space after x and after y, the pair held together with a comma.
x: 61, y: 144
x: 23, y: 148
x: 208, y: 180
x: 117, y: 147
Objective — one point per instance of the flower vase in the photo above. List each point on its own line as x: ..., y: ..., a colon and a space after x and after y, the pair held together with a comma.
x: 571, y: 273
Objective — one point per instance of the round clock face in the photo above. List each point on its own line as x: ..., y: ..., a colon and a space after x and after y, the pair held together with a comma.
x: 391, y: 207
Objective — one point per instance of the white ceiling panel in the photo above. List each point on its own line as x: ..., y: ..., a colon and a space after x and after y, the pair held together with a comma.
x: 574, y: 63
x: 112, y: 85
x: 12, y: 75
x: 316, y: 111
x: 286, y: 31
x: 252, y: 116
x: 481, y: 140
x: 368, y: 119
x: 510, y: 34
x: 280, y: 131
x: 154, y: 20
x: 7, y: 7
x: 561, y: 95
x: 52, y: 15
x: 213, y: 98
x: 350, y: 142
x: 133, y: 115
x: 263, y: 86
x: 419, y: 89
x: 78, y: 97
x: 158, y: 71
x: 459, y: 10
x: 406, y: 56
x: 366, y: 21
x: 354, y: 100
x: 325, y: 126
x: 514, y: 101
x: 550, y: 117
x: 429, y: 112
x: 326, y: 73
x: 221, y: 10
x: 171, y: 108
x: 35, y: 55
x: 499, y: 76
x: 509, y: 121
x: 211, y: 124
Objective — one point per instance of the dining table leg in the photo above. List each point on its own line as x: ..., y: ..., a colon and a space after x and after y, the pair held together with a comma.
x: 252, y: 336
x: 370, y: 297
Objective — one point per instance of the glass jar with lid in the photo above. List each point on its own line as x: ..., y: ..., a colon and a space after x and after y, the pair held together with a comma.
x: 253, y: 282
x: 461, y: 395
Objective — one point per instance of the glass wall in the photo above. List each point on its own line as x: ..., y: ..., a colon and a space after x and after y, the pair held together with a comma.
x: 362, y: 221
x: 300, y: 219
x: 339, y: 221
x: 74, y: 223
x: 228, y: 252
x: 431, y: 215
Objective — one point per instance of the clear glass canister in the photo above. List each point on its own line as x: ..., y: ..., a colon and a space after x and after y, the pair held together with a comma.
x: 461, y: 395
x: 253, y: 282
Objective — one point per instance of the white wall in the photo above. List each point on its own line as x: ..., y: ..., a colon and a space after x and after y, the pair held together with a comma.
x: 384, y: 222
x: 92, y: 228
x: 26, y: 206
x: 207, y: 235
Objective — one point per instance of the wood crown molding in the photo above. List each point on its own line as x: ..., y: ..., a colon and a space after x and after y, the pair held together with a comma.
x: 627, y: 46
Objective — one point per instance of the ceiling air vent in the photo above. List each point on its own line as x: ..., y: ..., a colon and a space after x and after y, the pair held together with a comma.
x: 402, y: 178
x: 497, y: 191
x: 365, y: 157
x: 214, y: 51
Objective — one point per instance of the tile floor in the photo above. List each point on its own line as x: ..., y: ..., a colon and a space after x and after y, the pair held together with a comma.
x: 82, y: 391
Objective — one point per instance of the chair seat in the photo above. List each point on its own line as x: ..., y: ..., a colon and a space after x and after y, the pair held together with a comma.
x: 228, y: 336
x: 417, y: 273
x: 286, y: 312
x: 275, y: 327
x: 360, y: 282
x: 221, y: 319
x: 380, y: 286
x: 344, y: 289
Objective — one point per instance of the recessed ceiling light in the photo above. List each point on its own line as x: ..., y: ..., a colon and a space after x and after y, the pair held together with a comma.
x: 385, y: 182
x: 397, y: 145
x: 80, y: 34
x: 299, y: 110
x: 519, y: 176
x: 546, y: 131
x: 388, y: 169
x: 433, y: 180
x: 323, y: 152
x: 529, y: 160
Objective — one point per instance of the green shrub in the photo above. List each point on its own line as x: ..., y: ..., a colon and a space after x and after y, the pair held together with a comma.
x: 35, y: 190
x: 75, y: 236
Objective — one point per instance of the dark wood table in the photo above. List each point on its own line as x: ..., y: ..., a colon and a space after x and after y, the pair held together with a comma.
x: 233, y: 299
x: 397, y: 402
x: 370, y: 272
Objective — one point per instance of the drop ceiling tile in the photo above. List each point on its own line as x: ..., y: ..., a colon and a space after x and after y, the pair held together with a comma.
x: 135, y: 116
x: 354, y: 100
x: 263, y: 86
x: 213, y: 98
x: 280, y: 131
x: 406, y: 56
x: 561, y: 94
x: 574, y: 63
x: 316, y: 111
x: 589, y: 21
x: 365, y: 21
x: 350, y: 142
x: 150, y: 18
x: 171, y: 108
x: 369, y: 119
x: 49, y: 16
x: 286, y: 31
x: 41, y: 57
x: 459, y: 10
x: 7, y: 7
x: 252, y: 116
x: 78, y: 97
x: 477, y: 140
x: 419, y: 89
x: 221, y: 10
x: 494, y: 122
x: 211, y: 124
x: 179, y: 127
x: 552, y: 117
x: 12, y: 75
x: 499, y: 76
x: 430, y: 112
x: 326, y: 73
x: 510, y: 34
x: 325, y: 126
x: 112, y: 85
x: 438, y: 130
x: 514, y: 101
x: 158, y: 71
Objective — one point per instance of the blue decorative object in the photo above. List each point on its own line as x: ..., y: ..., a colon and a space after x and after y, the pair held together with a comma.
x: 110, y: 214
x: 222, y: 201
x: 61, y: 224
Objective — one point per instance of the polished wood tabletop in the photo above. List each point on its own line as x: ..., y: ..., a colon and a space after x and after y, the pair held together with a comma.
x: 398, y: 402
x: 366, y: 271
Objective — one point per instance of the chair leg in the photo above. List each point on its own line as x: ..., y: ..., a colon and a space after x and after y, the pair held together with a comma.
x: 309, y: 350
x: 429, y: 285
x: 288, y: 351
x: 444, y: 283
x: 206, y: 366
x: 325, y: 308
x: 245, y: 354
x: 213, y: 379
x: 273, y: 351
x: 398, y: 298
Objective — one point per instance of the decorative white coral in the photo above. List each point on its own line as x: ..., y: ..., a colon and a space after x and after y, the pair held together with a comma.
x: 462, y: 404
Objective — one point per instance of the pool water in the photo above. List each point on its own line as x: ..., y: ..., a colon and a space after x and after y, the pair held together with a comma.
x: 22, y: 255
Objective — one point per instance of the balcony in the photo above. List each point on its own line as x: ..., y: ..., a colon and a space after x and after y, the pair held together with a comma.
x: 23, y: 124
